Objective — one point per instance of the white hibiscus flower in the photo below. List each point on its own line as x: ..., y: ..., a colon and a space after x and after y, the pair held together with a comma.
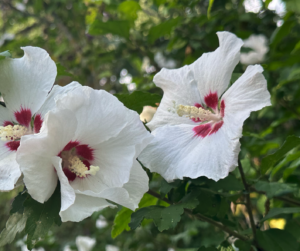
x: 90, y: 144
x: 85, y: 243
x: 24, y: 84
x: 196, y: 130
x: 259, y: 44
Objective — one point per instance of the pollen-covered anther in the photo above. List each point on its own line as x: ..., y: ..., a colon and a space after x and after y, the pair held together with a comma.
x: 9, y: 133
x: 76, y: 166
x: 193, y: 112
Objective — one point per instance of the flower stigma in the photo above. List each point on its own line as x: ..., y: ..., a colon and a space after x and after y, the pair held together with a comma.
x: 10, y: 133
x: 194, y: 112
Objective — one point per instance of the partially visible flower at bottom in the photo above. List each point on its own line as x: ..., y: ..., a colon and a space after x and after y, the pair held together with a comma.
x: 85, y: 243
x: 90, y: 144
x: 111, y: 248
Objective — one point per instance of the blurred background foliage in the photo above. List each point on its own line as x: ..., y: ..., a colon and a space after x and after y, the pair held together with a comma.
x: 119, y: 46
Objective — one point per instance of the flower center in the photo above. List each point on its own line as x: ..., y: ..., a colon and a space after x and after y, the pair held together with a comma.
x: 75, y: 161
x: 198, y: 113
x: 11, y: 133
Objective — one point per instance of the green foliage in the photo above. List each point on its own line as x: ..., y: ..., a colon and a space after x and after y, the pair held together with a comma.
x: 277, y: 240
x: 242, y: 245
x: 34, y: 218
x: 275, y: 212
x: 164, y: 217
x: 290, y: 143
x: 273, y: 189
x: 162, y: 29
x: 116, y: 27
x: 137, y: 100
x: 129, y: 9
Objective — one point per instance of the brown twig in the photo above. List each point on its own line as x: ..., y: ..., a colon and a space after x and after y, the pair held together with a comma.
x: 248, y: 201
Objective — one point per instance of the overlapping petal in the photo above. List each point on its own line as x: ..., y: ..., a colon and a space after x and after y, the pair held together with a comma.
x: 36, y: 151
x: 25, y: 82
x: 9, y: 172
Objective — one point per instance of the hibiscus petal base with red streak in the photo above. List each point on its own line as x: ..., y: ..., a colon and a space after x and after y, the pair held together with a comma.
x: 23, y: 116
x: 211, y: 100
x: 13, y: 145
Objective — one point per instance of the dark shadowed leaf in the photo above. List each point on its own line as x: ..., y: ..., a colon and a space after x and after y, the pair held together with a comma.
x: 277, y: 240
x: 274, y: 188
x: 278, y: 211
x: 162, y: 29
x: 137, y: 100
x: 290, y: 143
x: 116, y: 27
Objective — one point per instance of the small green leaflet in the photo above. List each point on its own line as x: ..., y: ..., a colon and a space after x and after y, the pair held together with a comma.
x: 162, y: 29
x: 281, y: 210
x: 164, y: 217
x: 273, y: 189
x: 61, y: 71
x: 116, y: 27
x: 123, y: 216
x: 290, y: 143
x: 129, y: 9
x: 137, y: 100
x: 15, y: 224
x: 33, y: 217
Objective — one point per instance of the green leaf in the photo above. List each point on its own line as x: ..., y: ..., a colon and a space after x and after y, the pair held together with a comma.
x: 18, y: 203
x: 166, y: 187
x: 242, y: 245
x: 207, y: 249
x: 230, y: 183
x: 290, y: 143
x: 4, y: 55
x: 292, y: 5
x: 15, y: 224
x: 152, y: 212
x: 277, y: 240
x: 116, y: 27
x: 281, y: 32
x: 129, y: 9
x: 162, y: 29
x: 137, y: 100
x: 41, y: 217
x: 273, y: 189
x: 211, y: 2
x: 122, y: 218
x: 277, y: 211
x: 61, y: 71
x: 164, y: 217
x: 121, y: 222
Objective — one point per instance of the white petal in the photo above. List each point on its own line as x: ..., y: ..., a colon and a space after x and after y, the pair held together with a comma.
x: 176, y: 153
x: 131, y: 193
x: 83, y: 207
x: 25, y: 82
x: 9, y: 172
x: 100, y: 115
x: 5, y: 115
x: 115, y: 156
x: 179, y: 88
x: 137, y: 185
x: 66, y: 191
x: 57, y: 90
x: 85, y: 243
x: 212, y: 71
x: 36, y: 151
x: 248, y: 93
